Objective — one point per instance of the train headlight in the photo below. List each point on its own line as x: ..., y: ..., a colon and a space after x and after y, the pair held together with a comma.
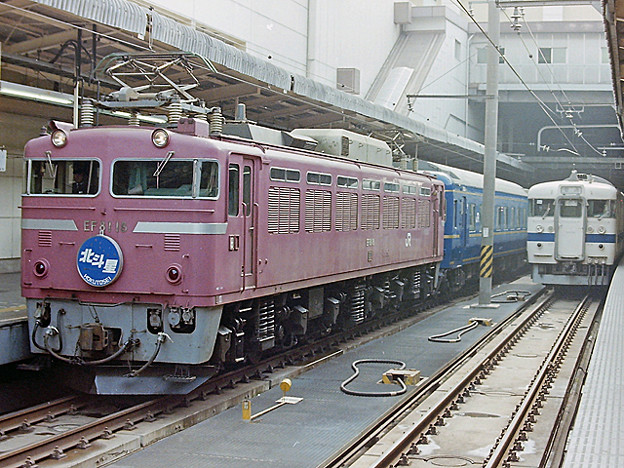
x: 174, y: 274
x: 590, y: 229
x: 160, y: 137
x: 551, y: 229
x: 539, y: 228
x: 174, y: 317
x: 40, y: 268
x: 601, y: 230
x: 59, y: 138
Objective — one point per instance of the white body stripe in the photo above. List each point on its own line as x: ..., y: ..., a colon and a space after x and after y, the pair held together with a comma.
x: 180, y: 228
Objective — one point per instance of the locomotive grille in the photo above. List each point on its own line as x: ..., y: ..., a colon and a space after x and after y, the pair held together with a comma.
x: 408, y: 213
x: 172, y: 242
x: 346, y: 211
x: 44, y: 238
x: 391, y: 212
x: 358, y: 297
x: 318, y: 210
x: 424, y: 213
x: 283, y: 205
x: 266, y: 320
x: 370, y: 212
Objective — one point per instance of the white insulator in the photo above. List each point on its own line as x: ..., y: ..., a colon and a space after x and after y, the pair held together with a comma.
x: 175, y: 112
x: 87, y: 113
x: 201, y: 116
x: 134, y: 120
x: 216, y: 123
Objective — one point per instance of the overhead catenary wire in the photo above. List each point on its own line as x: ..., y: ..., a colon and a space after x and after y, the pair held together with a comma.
x: 540, y: 102
x: 578, y: 133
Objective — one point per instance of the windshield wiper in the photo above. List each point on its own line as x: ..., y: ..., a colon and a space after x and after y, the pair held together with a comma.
x: 51, y: 169
x: 161, y: 166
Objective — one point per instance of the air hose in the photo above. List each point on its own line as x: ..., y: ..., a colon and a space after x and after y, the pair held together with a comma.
x: 460, y: 331
x: 355, y: 364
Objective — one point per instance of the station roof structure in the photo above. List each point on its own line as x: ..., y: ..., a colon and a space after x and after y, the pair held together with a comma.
x: 614, y: 26
x: 39, y: 39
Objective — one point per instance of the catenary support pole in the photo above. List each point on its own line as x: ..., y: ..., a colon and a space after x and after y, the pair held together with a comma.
x: 489, y: 163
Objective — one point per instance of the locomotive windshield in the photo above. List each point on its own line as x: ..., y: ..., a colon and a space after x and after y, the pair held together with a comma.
x: 176, y: 178
x: 63, y: 177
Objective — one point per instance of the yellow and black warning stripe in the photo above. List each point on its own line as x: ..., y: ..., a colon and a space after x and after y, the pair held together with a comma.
x: 486, y: 261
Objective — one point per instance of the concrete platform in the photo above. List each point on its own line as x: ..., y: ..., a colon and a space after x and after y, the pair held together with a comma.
x: 14, y: 337
x: 597, y: 437
x: 309, y: 432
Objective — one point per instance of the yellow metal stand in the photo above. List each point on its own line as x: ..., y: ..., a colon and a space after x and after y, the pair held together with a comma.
x: 285, y: 386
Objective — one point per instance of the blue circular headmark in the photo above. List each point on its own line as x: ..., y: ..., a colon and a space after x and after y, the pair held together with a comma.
x: 99, y: 261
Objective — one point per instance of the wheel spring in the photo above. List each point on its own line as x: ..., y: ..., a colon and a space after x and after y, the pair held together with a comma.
x: 266, y: 319
x: 358, y: 298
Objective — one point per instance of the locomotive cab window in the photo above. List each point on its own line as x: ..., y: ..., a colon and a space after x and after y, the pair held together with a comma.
x: 233, y: 185
x: 66, y: 177
x: 165, y: 178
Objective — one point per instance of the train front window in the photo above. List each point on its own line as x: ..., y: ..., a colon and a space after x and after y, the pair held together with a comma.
x: 542, y: 207
x: 150, y: 178
x: 63, y: 177
x: 601, y: 209
x: 570, y: 209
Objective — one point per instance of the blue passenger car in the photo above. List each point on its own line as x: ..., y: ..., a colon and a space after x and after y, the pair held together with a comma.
x: 463, y: 230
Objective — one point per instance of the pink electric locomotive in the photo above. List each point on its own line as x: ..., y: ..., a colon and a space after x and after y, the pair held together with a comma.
x: 153, y: 257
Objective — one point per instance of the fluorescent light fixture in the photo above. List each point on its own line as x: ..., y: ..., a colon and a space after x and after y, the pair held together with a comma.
x: 143, y: 118
x: 67, y: 100
x: 35, y: 94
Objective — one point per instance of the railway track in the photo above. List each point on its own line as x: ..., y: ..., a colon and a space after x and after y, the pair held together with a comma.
x: 50, y: 430
x: 498, y: 404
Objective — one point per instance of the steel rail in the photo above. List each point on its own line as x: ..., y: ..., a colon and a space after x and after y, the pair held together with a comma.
x: 54, y: 447
x: 21, y: 419
x: 81, y: 436
x: 548, y: 367
x: 430, y: 385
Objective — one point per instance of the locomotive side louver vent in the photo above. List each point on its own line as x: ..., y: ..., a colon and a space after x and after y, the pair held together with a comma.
x: 424, y: 213
x: 318, y: 210
x: 346, y: 211
x: 408, y: 213
x: 283, y: 206
x: 391, y: 212
x: 370, y: 212
x: 172, y: 242
x: 44, y: 238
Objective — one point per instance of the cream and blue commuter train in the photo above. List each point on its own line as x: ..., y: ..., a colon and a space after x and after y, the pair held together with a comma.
x: 575, y: 230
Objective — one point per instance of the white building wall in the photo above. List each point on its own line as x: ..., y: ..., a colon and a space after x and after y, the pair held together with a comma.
x: 10, y: 197
x: 307, y: 37
x: 447, y: 77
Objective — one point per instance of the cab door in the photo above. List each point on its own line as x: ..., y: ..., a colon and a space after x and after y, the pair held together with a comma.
x: 570, y: 234
x: 242, y: 216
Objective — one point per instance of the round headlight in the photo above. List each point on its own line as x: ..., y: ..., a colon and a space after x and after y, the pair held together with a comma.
x: 602, y: 229
x: 59, y: 138
x: 40, y: 268
x: 539, y: 228
x: 174, y: 274
x: 160, y: 138
x: 590, y: 229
